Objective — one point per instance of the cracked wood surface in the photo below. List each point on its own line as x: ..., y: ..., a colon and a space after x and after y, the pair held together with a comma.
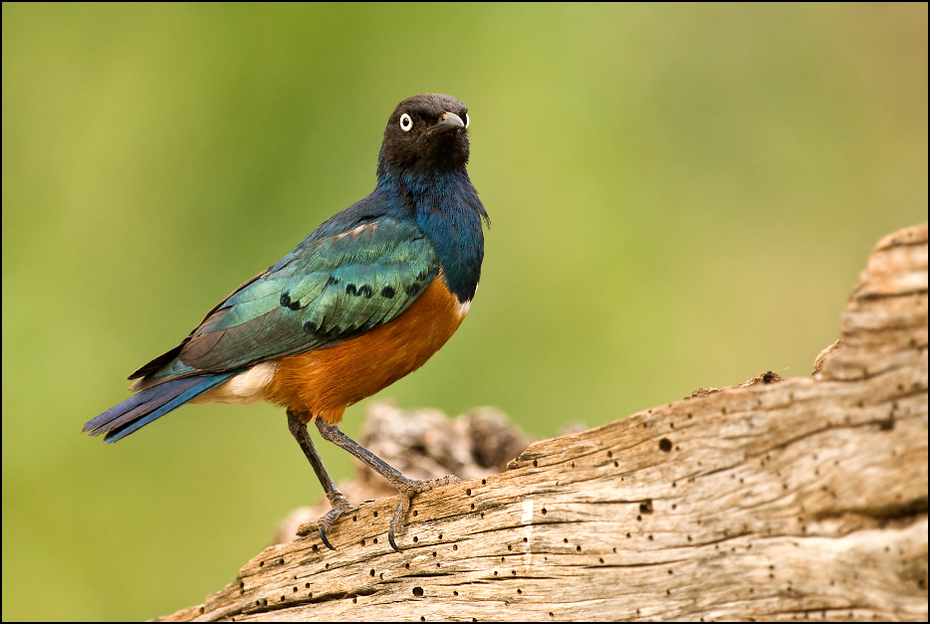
x: 777, y: 499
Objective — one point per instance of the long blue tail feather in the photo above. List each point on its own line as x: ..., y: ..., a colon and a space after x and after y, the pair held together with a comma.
x: 150, y: 404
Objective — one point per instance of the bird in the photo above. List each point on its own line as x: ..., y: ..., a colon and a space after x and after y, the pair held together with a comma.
x: 365, y: 299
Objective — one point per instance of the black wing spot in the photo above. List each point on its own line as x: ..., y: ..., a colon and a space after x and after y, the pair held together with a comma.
x: 287, y: 303
x: 413, y: 289
x: 332, y: 281
x: 359, y: 291
x: 310, y: 327
x: 388, y: 292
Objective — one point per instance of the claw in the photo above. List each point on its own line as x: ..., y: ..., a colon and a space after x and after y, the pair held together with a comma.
x: 324, y: 540
x: 407, y: 492
x: 325, y: 525
x: 403, y: 506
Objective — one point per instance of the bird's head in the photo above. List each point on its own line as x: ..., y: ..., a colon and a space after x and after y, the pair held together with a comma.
x: 426, y: 133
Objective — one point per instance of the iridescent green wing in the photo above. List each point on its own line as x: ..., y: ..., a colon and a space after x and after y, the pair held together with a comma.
x: 327, y: 290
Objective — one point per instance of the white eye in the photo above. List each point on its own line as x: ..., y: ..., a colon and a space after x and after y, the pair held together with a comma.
x: 406, y: 122
x: 467, y: 120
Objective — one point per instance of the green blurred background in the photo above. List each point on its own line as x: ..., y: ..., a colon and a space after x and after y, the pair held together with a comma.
x: 681, y: 196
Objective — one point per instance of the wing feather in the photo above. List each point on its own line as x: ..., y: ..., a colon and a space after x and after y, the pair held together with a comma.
x: 328, y: 290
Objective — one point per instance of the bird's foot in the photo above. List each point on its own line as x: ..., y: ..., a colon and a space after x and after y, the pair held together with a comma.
x: 341, y: 505
x: 408, y: 490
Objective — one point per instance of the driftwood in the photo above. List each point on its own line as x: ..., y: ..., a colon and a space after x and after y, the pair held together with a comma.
x: 777, y: 499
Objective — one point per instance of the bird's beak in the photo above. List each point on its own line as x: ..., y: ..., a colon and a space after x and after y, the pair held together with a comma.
x: 449, y: 121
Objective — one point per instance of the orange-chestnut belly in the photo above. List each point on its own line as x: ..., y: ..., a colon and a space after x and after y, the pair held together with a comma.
x: 323, y: 382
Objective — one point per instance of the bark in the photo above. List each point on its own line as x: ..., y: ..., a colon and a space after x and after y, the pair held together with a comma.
x: 803, y: 498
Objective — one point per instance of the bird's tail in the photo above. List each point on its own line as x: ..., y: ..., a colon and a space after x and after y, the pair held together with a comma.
x: 150, y: 404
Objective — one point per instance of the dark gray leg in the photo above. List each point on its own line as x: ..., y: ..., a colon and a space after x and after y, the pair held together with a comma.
x: 408, y: 487
x: 339, y: 502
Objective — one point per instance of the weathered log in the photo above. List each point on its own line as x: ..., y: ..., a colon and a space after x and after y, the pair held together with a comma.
x: 778, y: 499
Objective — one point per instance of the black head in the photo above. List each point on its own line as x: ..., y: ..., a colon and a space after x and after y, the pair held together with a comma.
x: 426, y: 133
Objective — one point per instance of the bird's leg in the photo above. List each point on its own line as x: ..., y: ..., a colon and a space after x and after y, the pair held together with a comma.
x: 407, y: 487
x: 340, y: 503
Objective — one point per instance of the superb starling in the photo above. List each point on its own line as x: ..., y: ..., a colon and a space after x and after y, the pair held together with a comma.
x: 365, y: 299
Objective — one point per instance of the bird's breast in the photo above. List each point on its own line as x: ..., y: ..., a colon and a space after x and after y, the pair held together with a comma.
x: 323, y: 382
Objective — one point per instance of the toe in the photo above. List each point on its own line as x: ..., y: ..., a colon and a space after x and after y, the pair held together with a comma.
x: 325, y: 525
